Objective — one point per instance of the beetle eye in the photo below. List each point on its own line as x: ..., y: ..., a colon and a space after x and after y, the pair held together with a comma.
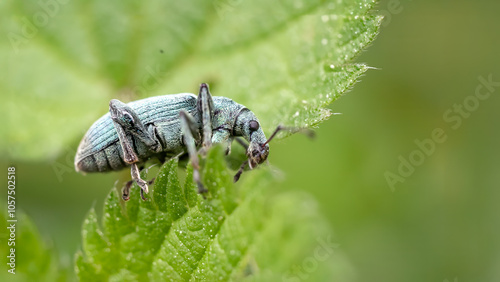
x: 254, y: 125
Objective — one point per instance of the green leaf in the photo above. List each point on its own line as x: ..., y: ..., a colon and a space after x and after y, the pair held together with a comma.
x: 238, y: 232
x: 285, y: 60
x: 168, y: 178
x: 34, y: 260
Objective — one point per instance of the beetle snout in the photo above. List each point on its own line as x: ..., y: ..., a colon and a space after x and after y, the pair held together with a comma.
x: 257, y: 154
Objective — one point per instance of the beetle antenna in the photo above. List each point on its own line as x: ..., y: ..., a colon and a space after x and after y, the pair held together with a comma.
x: 278, y: 129
x: 306, y: 131
x: 240, y: 171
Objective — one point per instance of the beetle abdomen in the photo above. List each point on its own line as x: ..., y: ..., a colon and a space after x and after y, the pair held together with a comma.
x: 104, y: 160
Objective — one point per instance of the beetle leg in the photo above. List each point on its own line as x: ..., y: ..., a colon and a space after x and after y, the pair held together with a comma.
x: 153, y: 133
x: 129, y: 156
x: 240, y: 171
x: 205, y: 106
x: 126, y: 190
x: 136, y: 176
x: 186, y: 124
x: 242, y: 143
x: 222, y: 136
x: 128, y: 125
x: 128, y: 185
x: 151, y: 181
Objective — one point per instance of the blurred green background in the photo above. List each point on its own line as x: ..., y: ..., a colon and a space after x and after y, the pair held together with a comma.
x: 442, y: 223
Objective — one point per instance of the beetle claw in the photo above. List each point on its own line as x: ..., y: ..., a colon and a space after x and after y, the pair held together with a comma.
x: 144, y: 187
x: 143, y: 184
x: 126, y: 190
x: 151, y: 181
x: 142, y: 195
x: 201, y: 189
x: 125, y: 197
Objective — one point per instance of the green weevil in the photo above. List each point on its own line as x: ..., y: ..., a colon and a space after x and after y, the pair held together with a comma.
x: 166, y: 126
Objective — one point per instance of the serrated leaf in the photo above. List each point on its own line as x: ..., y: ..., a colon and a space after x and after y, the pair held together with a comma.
x: 218, y: 181
x: 94, y: 243
x: 167, y: 177
x: 243, y: 231
x: 85, y: 271
x: 190, y: 188
x: 285, y: 60
x: 114, y: 218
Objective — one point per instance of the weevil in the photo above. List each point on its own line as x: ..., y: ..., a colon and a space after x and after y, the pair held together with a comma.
x: 166, y: 126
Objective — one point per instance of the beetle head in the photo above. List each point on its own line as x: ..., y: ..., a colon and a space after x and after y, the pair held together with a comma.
x: 248, y: 126
x: 257, y: 154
